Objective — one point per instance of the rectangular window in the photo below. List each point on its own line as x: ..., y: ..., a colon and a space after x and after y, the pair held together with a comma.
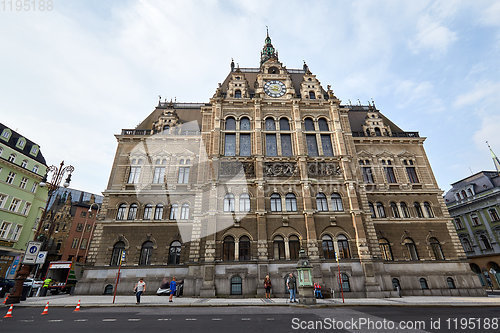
x: 23, y: 183
x: 286, y: 145
x: 4, y: 229
x: 34, y: 187
x: 10, y: 177
x: 412, y: 174
x: 245, y: 145
x: 230, y: 145
x: 83, y: 214
x: 458, y: 224
x: 3, y: 200
x: 367, y: 175
x: 312, y: 145
x: 83, y: 245
x: 26, y: 209
x: 135, y: 172
x: 389, y: 174
x: 475, y: 220
x: 326, y: 143
x: 14, y: 205
x: 79, y: 227
x: 88, y: 228
x: 17, y: 232
x: 183, y: 175
x: 159, y: 175
x: 271, y: 146
x: 493, y: 214
x: 74, y: 244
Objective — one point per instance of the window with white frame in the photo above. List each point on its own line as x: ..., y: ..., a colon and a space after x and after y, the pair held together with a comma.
x: 337, y: 202
x: 493, y: 214
x: 159, y: 175
x: 275, y: 202
x: 24, y: 163
x: 12, y: 158
x: 14, y: 205
x: 244, y: 202
x: 26, y: 208
x: 367, y: 172
x: 135, y: 173
x: 475, y: 220
x: 6, y: 134
x: 17, y: 232
x: 10, y: 177
x: 229, y: 202
x: 34, y: 187
x: 184, y: 171
x: 21, y: 142
x: 23, y: 183
x: 174, y: 212
x: 4, y: 229
x: 291, y: 202
x: 35, y: 169
x: 3, y: 199
x: 185, y: 211
x: 34, y: 150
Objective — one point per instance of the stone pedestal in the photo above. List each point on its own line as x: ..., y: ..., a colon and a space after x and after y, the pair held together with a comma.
x: 306, y: 295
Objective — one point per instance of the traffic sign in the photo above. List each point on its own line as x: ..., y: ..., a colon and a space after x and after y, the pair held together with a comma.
x: 40, y: 259
x: 31, y: 253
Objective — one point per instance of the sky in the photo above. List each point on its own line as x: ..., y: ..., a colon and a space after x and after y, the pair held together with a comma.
x: 72, y: 77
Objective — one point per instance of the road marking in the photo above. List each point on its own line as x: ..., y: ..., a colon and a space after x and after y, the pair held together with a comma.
x: 163, y: 318
x: 134, y: 319
x: 81, y: 319
x: 26, y: 320
x: 54, y: 320
x: 192, y: 319
x: 245, y: 318
x: 269, y: 318
x: 111, y: 319
x: 216, y: 318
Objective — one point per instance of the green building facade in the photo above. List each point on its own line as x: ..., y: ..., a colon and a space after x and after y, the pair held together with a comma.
x: 22, y: 200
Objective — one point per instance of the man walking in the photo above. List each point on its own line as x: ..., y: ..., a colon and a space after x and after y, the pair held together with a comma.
x: 140, y: 287
x: 291, y: 284
x: 173, y: 288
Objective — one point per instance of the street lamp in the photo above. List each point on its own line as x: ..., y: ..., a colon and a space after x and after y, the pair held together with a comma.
x: 83, y: 232
x: 57, y: 175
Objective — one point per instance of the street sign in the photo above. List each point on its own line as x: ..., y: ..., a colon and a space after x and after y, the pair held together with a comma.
x: 31, y: 253
x: 40, y: 259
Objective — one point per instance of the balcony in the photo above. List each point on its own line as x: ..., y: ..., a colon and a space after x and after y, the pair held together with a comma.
x: 394, y: 135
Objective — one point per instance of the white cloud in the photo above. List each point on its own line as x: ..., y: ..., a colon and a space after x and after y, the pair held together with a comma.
x: 432, y: 36
x: 482, y: 90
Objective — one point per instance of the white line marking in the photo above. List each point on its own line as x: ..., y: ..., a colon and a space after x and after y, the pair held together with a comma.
x: 216, y: 318
x: 134, y: 319
x: 245, y: 318
x: 27, y: 320
x: 111, y: 319
x: 163, y: 318
x: 54, y: 320
x: 81, y: 319
x: 269, y: 318
x: 192, y: 319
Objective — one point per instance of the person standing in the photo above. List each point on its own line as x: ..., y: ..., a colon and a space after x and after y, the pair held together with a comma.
x: 291, y: 284
x: 140, y: 288
x: 46, y: 284
x: 267, y: 286
x: 173, y: 288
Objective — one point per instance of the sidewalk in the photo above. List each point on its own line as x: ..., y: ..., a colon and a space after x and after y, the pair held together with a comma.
x: 106, y: 301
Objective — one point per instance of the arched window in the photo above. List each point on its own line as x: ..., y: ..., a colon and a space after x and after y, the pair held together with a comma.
x: 185, y: 212
x: 275, y: 202
x: 294, y: 247
x: 146, y: 252
x: 328, y: 249
x: 166, y: 129
x: 311, y: 141
x: 244, y: 124
x: 228, y: 249
x: 309, y: 124
x: 395, y: 284
x: 372, y: 210
x: 174, y: 212
x: 12, y: 158
x: 323, y: 124
x: 418, y: 210
x: 270, y: 124
x: 466, y: 245
x: 284, y: 124
x: 148, y: 212
x: 337, y: 203
x: 423, y: 284
x: 244, y: 202
x: 158, y: 212
x: 404, y: 210
x: 279, y: 248
x: 380, y: 209
x: 436, y: 248
x: 236, y: 285
x: 346, y: 286
x: 321, y: 202
x: 312, y: 95
x: 108, y: 290
x: 174, y: 253
x: 230, y: 124
x: 411, y: 248
x: 485, y: 242
x: 121, y: 212
x: 291, y: 202
x: 244, y: 248
x: 428, y: 209
x: 237, y: 93
x: 24, y: 163
x: 394, y: 210
x: 385, y: 248
x: 117, y: 253
x: 132, y: 212
x: 377, y: 132
x: 229, y: 202
x: 343, y: 246
x: 271, y: 143
x: 451, y: 283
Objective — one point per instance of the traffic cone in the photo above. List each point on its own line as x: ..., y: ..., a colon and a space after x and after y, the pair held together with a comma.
x: 9, y: 313
x: 6, y: 298
x: 77, y: 307
x: 46, y: 310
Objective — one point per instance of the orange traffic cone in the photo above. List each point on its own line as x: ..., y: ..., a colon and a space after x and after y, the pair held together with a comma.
x: 6, y: 298
x: 9, y: 313
x: 46, y: 310
x: 77, y: 307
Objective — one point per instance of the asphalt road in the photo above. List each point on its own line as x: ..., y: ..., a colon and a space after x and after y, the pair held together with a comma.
x: 253, y: 319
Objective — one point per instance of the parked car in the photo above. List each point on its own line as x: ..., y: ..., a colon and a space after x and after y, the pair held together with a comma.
x: 36, y: 283
x: 164, y: 289
x: 5, y: 285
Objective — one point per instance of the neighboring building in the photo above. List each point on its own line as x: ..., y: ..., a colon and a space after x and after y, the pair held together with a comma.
x: 220, y: 194
x: 73, y: 224
x: 22, y: 167
x: 474, y: 204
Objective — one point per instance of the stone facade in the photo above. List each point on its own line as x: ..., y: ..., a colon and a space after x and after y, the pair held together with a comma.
x: 225, y: 192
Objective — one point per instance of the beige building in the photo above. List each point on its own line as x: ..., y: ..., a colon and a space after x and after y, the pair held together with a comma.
x: 220, y: 194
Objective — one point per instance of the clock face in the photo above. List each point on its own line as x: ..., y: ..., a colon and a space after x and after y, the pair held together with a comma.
x: 274, y: 88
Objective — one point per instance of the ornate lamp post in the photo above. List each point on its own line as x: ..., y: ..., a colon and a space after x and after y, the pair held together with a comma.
x: 57, y: 175
x: 305, y: 283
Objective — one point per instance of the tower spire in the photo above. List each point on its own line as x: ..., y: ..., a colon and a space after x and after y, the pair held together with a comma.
x: 496, y: 161
x: 268, y: 50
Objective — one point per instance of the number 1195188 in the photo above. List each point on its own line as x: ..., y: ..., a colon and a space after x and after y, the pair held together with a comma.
x: 26, y: 5
x: 481, y: 324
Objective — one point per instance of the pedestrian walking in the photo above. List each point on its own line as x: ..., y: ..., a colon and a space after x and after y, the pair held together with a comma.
x: 173, y: 288
x: 291, y: 284
x: 139, y: 288
x: 268, y: 286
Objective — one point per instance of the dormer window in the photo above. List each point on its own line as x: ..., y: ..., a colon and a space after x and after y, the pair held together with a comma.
x: 237, y: 93
x: 6, y: 134
x: 34, y: 150
x: 312, y: 95
x: 273, y: 70
x: 21, y: 142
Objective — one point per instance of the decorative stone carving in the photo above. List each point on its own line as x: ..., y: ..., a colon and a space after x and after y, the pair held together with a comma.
x: 323, y: 169
x: 278, y: 169
x: 233, y: 168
